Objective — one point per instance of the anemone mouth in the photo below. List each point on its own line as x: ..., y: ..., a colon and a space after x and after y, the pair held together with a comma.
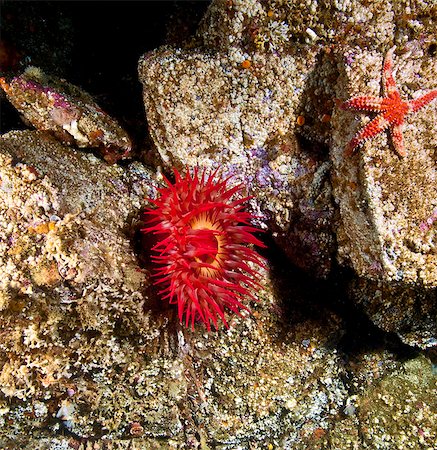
x: 209, y: 244
x: 206, y: 244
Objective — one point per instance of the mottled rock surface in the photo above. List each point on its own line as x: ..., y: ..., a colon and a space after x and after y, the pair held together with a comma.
x: 387, y: 203
x: 83, y: 353
x: 86, y: 354
x: 407, y: 396
x: 90, y: 357
x: 210, y: 111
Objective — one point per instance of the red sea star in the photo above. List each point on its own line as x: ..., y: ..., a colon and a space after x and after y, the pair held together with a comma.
x: 391, y: 109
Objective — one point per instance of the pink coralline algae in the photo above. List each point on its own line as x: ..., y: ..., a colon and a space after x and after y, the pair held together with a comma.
x: 428, y: 223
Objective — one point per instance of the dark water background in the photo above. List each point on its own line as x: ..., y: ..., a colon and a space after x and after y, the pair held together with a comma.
x: 93, y: 44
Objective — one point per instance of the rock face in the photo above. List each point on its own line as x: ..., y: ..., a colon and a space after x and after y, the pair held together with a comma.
x: 211, y: 111
x: 89, y: 355
x: 84, y: 353
x: 387, y: 203
x: 256, y: 99
x: 58, y: 216
x: 390, y: 396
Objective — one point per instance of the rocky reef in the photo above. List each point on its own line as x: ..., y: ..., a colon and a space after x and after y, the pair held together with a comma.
x: 338, y: 350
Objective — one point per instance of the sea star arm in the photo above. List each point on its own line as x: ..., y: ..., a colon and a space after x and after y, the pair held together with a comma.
x: 364, y: 103
x: 398, y: 139
x: 388, y: 82
x: 422, y: 101
x: 370, y: 130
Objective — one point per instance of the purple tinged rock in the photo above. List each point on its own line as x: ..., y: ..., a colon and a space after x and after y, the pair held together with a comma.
x: 71, y: 114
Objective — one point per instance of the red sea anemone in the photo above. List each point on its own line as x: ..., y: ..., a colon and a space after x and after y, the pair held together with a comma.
x: 202, y: 250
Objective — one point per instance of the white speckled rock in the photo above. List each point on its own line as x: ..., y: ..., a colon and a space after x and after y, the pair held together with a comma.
x: 388, y: 204
x: 211, y: 111
x: 76, y: 320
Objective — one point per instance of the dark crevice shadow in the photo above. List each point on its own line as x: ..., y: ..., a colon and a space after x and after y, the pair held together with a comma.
x: 304, y: 297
